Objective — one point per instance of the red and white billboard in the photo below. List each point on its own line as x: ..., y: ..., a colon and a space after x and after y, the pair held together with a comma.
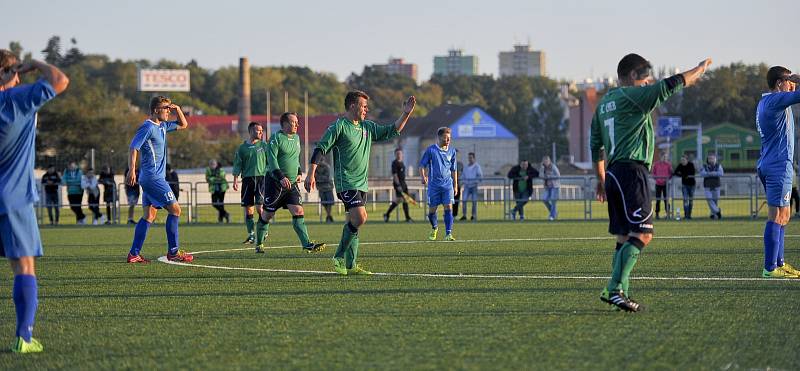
x: 164, y: 80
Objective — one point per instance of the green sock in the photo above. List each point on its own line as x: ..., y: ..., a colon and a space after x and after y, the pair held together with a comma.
x: 299, y: 225
x: 262, y: 230
x: 351, y: 255
x: 615, y: 283
x: 629, y: 255
x: 250, y: 224
x: 344, y: 243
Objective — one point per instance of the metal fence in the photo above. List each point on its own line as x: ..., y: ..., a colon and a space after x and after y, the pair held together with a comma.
x: 740, y: 196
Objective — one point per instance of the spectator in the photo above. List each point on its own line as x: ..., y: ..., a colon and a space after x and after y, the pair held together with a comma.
x: 52, y: 197
x: 109, y: 192
x: 550, y: 174
x: 132, y: 193
x: 522, y: 186
x: 457, y: 194
x: 172, y: 180
x: 399, y: 185
x: 89, y: 184
x: 72, y: 179
x: 662, y: 171
x: 472, y: 176
x: 325, y: 187
x: 686, y: 171
x: 711, y: 172
x: 795, y: 198
x: 217, y: 185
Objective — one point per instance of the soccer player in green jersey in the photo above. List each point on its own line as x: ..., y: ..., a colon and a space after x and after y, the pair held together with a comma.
x: 622, y: 145
x: 250, y: 161
x: 350, y: 138
x: 283, y: 174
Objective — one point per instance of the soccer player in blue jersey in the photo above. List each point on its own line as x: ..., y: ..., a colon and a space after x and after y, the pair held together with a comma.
x: 775, y: 124
x: 438, y: 171
x: 150, y: 144
x: 19, y: 234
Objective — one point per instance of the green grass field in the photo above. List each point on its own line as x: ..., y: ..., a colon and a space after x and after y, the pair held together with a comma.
x: 535, y: 307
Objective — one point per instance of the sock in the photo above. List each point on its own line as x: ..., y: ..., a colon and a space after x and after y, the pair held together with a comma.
x: 391, y: 208
x: 351, y: 255
x: 262, y: 230
x: 348, y: 233
x: 448, y: 221
x: 616, y: 253
x: 779, y: 257
x: 25, y: 293
x: 172, y: 234
x: 772, y: 235
x: 626, y: 259
x: 248, y: 220
x: 139, y: 234
x: 405, y: 210
x: 434, y: 220
x: 299, y: 225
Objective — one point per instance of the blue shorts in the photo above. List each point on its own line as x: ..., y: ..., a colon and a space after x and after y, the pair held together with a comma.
x: 440, y: 196
x: 19, y: 234
x: 777, y: 181
x: 156, y: 193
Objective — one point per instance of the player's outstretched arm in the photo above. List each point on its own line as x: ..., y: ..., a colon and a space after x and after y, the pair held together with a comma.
x: 690, y: 77
x: 408, y: 108
x: 57, y: 79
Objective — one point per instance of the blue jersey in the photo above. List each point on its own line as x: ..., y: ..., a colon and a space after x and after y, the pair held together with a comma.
x: 18, y: 108
x: 440, y: 163
x: 151, y: 141
x: 775, y: 124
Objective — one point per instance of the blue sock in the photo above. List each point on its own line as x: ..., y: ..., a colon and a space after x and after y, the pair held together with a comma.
x: 448, y: 221
x: 172, y: 234
x: 779, y: 257
x: 25, y: 294
x: 139, y: 234
x: 434, y: 220
x: 772, y: 234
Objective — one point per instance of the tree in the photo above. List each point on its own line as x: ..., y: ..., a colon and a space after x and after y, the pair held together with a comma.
x: 52, y: 52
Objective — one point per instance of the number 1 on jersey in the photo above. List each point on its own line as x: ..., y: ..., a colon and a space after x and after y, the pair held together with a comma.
x: 609, y: 123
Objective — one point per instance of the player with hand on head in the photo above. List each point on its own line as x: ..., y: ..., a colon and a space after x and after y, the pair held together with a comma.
x: 437, y: 168
x: 622, y: 137
x: 19, y: 233
x: 283, y: 174
x: 775, y: 124
x: 350, y: 139
x: 150, y: 145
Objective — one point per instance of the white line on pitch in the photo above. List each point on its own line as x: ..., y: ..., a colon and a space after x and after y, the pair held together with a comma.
x: 541, y: 239
x: 163, y: 259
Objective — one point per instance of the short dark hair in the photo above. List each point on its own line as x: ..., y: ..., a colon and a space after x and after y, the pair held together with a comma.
x: 352, y: 98
x: 156, y: 101
x: 285, y: 117
x: 776, y: 74
x: 250, y: 126
x: 471, y: 154
x: 442, y: 131
x: 634, y: 62
x: 7, y: 58
x: 398, y: 149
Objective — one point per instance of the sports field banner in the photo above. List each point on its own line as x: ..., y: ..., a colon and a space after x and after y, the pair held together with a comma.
x: 163, y: 80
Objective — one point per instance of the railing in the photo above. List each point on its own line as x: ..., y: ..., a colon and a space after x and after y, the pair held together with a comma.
x: 740, y: 196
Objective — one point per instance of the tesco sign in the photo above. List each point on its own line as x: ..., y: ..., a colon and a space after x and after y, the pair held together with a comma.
x: 164, y: 80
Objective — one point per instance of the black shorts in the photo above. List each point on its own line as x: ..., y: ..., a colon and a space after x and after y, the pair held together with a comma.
x: 628, y: 195
x: 353, y: 198
x: 277, y: 197
x: 326, y: 197
x: 400, y: 188
x: 253, y: 190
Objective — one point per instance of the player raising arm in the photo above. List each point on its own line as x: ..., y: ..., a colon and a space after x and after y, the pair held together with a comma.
x: 350, y: 139
x: 622, y: 136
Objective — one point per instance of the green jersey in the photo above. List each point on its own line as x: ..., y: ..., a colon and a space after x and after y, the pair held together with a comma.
x: 283, y: 154
x: 351, y: 144
x: 622, y: 125
x: 250, y: 159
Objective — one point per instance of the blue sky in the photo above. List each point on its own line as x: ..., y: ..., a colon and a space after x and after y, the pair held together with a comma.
x: 580, y: 38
